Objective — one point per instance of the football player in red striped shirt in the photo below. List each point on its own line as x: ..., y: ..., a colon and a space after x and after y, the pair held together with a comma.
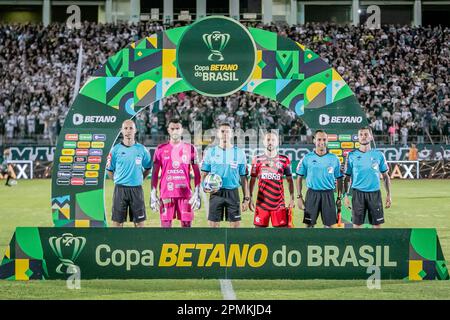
x: 269, y: 168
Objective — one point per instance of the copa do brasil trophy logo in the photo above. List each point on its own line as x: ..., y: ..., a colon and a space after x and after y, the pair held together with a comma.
x: 67, y: 248
x: 216, y: 56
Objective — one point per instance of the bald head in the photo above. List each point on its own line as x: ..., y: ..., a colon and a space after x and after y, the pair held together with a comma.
x: 128, y: 122
x: 128, y: 131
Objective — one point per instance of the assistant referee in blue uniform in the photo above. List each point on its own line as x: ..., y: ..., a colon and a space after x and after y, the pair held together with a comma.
x: 322, y: 170
x: 363, y: 167
x: 129, y: 163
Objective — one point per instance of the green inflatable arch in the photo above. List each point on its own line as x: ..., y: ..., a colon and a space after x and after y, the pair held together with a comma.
x: 215, y: 56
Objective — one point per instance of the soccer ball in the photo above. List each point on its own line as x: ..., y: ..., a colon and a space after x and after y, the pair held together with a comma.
x: 212, y: 183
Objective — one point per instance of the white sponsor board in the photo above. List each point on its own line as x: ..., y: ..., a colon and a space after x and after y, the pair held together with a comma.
x: 404, y: 169
x: 23, y: 168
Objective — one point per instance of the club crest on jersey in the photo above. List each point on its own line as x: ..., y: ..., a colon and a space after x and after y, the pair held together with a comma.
x: 176, y: 164
x: 138, y: 161
x: 330, y: 169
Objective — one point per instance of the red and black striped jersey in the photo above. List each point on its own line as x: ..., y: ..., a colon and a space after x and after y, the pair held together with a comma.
x: 270, y: 172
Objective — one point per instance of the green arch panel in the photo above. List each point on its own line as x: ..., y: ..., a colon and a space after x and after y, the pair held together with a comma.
x: 147, y: 71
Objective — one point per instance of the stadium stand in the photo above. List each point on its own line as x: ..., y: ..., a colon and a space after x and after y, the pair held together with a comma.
x: 400, y: 75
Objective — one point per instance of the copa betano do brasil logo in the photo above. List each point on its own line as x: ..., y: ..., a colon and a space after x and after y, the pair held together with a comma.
x: 216, y: 42
x: 67, y: 248
x: 213, y: 62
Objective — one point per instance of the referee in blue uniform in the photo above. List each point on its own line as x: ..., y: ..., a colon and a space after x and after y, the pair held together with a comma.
x: 129, y: 163
x: 363, y: 168
x: 230, y: 163
x: 321, y: 170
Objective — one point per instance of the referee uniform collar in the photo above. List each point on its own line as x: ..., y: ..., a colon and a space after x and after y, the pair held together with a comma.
x: 224, y: 149
x: 321, y: 155
x: 126, y: 145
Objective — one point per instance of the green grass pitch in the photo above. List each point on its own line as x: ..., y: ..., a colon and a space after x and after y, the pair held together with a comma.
x: 424, y: 203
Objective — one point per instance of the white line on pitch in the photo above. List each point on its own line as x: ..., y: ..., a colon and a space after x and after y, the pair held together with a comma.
x: 227, y: 289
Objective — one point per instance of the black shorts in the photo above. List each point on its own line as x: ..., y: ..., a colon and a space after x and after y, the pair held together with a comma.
x: 224, y: 205
x: 320, y: 201
x: 128, y: 200
x: 363, y: 202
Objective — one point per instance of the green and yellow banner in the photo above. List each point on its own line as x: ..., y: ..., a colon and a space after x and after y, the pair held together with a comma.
x: 107, y: 253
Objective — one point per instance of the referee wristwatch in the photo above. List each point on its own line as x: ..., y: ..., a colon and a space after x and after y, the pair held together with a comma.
x: 246, y: 199
x: 299, y: 196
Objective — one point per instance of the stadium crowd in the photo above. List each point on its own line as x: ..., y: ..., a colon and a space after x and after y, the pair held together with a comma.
x: 399, y: 74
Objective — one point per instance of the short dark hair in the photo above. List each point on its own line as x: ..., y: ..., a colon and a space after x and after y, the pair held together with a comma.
x: 225, y: 124
x: 319, y: 131
x: 365, y: 128
x: 173, y: 120
x: 274, y: 132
